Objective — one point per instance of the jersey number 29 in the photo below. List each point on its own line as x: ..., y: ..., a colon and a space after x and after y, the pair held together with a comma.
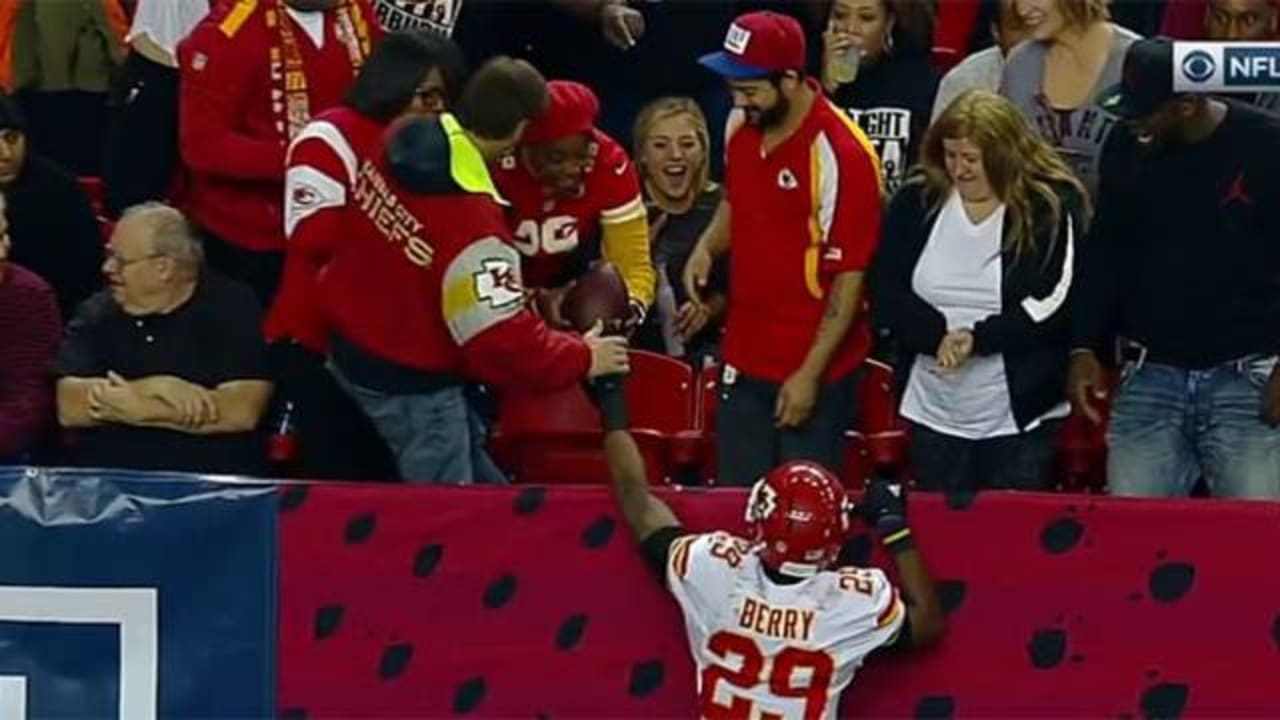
x: 755, y: 669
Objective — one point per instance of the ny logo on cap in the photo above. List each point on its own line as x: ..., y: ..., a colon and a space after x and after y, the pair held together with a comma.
x: 737, y: 39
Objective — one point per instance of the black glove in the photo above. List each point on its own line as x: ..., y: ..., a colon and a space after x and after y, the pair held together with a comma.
x: 884, y: 508
x: 608, y: 392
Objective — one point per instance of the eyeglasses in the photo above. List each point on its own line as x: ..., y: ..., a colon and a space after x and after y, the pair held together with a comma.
x: 430, y: 96
x: 122, y: 262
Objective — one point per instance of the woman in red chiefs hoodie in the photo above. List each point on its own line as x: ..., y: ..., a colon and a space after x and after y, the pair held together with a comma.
x: 410, y: 73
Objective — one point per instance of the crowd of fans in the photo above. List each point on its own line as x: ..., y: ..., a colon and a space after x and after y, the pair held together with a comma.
x: 358, y: 220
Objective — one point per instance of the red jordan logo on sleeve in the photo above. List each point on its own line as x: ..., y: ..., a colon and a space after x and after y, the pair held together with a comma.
x: 1236, y: 193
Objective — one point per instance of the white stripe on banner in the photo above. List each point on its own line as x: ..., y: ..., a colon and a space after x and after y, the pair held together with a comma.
x: 13, y: 697
x: 135, y: 610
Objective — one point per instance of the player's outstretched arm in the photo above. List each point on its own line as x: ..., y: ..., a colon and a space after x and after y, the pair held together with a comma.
x: 644, y: 513
x: 884, y: 507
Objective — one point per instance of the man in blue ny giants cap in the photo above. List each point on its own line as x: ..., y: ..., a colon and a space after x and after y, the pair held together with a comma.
x: 802, y: 214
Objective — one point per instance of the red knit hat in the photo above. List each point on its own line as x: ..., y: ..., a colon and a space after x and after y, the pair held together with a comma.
x: 572, y: 110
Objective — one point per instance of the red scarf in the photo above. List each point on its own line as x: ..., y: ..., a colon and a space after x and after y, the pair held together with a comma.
x: 289, y: 99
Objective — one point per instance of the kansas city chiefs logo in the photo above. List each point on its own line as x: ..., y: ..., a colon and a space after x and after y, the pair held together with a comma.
x: 762, y: 503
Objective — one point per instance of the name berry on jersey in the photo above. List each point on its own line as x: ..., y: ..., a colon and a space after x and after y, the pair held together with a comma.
x: 783, y: 623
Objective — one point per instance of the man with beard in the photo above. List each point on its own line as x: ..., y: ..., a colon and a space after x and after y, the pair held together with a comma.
x: 1183, y: 262
x: 802, y: 217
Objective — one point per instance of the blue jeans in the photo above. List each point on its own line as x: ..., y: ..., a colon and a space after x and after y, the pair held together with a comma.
x: 436, y: 437
x: 1171, y: 426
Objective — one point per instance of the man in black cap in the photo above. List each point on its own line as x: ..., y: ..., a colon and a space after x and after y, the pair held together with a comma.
x: 1183, y: 262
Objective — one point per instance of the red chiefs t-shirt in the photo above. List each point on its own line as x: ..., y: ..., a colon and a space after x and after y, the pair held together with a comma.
x: 801, y: 214
x: 549, y: 231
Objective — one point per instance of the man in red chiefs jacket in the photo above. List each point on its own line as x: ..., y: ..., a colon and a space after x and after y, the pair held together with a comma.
x: 575, y: 196
x: 252, y: 75
x: 425, y: 294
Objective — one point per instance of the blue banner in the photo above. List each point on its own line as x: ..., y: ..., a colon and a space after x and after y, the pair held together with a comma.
x: 136, y: 596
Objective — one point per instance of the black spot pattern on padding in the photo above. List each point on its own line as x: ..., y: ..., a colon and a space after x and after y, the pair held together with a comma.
x: 1275, y: 632
x: 1164, y: 701
x: 1061, y: 535
x: 570, y: 633
x: 935, y: 707
x: 293, y: 497
x: 292, y: 714
x: 646, y: 677
x: 856, y: 552
x: 360, y: 527
x: 1047, y: 648
x: 395, y: 659
x: 469, y: 695
x: 529, y: 500
x: 961, y: 499
x: 425, y: 562
x: 1171, y: 581
x: 328, y: 618
x: 952, y: 593
x: 500, y: 592
x: 598, y: 533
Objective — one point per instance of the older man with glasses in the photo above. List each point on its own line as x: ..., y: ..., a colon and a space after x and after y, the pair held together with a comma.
x: 167, y: 368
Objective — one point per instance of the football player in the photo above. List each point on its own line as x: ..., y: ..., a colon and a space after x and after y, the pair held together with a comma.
x: 575, y: 196
x: 776, y: 628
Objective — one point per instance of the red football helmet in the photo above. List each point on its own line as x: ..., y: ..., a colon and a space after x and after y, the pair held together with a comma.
x: 799, y: 516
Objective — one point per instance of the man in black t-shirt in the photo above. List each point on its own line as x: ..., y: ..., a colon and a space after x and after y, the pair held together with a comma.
x: 1183, y: 261
x: 166, y: 369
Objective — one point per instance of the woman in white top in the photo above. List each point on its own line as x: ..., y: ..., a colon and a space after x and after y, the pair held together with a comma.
x: 974, y: 280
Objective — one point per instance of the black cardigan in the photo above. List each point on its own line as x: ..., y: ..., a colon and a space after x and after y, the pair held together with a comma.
x: 1033, y: 331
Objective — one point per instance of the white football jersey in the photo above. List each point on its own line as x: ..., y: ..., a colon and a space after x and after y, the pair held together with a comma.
x: 772, y: 651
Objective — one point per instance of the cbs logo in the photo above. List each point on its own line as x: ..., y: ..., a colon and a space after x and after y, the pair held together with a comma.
x: 1198, y: 66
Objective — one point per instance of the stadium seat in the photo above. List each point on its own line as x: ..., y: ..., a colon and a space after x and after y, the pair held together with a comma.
x: 696, y: 449
x: 883, y: 430
x: 554, y: 438
x: 92, y: 187
x: 1081, y: 457
x: 858, y: 467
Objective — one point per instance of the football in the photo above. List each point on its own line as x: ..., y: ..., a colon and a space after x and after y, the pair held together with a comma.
x: 598, y: 294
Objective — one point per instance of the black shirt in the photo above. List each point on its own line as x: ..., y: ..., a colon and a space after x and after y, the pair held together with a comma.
x: 671, y: 249
x: 54, y: 231
x: 215, y: 337
x: 892, y: 100
x: 1185, y: 252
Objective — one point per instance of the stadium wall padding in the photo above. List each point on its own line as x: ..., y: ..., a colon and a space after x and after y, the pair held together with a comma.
x: 349, y: 600
x: 533, y: 603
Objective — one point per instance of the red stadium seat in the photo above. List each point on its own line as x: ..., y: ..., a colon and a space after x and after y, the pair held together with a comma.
x: 1082, y: 452
x: 555, y: 438
x: 857, y: 462
x: 92, y: 187
x: 697, y: 447
x: 884, y: 431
